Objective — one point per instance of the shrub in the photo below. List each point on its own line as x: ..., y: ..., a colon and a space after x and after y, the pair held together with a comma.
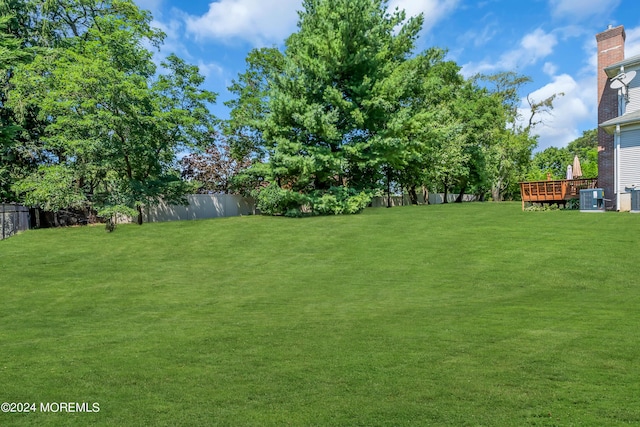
x: 339, y: 200
x: 273, y: 200
x: 541, y: 208
x: 111, y: 214
x: 573, y: 204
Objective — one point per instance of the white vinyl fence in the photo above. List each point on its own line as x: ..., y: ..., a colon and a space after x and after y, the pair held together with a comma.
x: 404, y: 200
x: 202, y: 206
x: 437, y: 198
x: 13, y: 218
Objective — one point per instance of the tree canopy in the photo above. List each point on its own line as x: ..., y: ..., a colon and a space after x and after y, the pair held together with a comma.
x: 107, y: 126
x: 346, y: 110
x: 554, y: 160
x: 349, y: 104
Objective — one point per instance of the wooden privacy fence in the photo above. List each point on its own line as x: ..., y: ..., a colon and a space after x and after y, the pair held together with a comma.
x: 13, y: 218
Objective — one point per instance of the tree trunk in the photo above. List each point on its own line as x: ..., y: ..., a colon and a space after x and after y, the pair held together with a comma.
x: 413, y: 195
x: 139, y: 215
x: 496, y: 194
x: 446, y: 193
x: 462, y: 191
x: 388, y: 187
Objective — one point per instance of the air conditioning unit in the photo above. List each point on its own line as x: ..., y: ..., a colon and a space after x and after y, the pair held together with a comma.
x: 635, y: 200
x: 592, y: 200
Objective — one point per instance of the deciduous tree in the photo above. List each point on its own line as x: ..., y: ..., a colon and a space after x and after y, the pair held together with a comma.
x: 214, y: 169
x: 111, y: 123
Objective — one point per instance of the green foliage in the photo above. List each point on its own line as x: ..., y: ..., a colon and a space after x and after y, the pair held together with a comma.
x: 589, y: 164
x: 349, y: 104
x: 573, y: 204
x: 554, y: 161
x: 333, y: 91
x: 582, y: 145
x: 114, y: 210
x: 250, y: 181
x: 542, y: 207
x: 12, y: 53
x: 52, y: 188
x: 586, y: 148
x: 339, y: 200
x: 246, y: 124
x: 507, y: 159
x: 111, y: 213
x: 319, y: 108
x: 274, y: 200
x: 104, y: 115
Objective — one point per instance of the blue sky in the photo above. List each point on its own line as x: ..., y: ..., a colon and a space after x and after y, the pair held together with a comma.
x: 552, y: 41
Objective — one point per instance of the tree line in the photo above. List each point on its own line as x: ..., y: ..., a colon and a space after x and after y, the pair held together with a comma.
x: 345, y: 110
x: 553, y: 161
x: 87, y: 121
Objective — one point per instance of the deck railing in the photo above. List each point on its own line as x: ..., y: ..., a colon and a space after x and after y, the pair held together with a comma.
x: 554, y: 191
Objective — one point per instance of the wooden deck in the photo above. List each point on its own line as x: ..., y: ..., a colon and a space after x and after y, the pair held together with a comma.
x: 556, y: 191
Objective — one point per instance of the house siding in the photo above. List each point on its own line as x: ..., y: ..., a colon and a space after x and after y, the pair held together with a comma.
x: 634, y: 95
x: 629, y: 159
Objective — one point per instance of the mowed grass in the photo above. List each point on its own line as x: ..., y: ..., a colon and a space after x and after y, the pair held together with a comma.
x: 474, y: 314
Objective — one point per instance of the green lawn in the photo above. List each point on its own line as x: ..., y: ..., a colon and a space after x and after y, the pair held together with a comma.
x: 475, y: 314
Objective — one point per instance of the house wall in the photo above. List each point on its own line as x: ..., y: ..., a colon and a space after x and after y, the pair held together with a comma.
x: 610, y: 51
x: 629, y: 165
x: 634, y: 92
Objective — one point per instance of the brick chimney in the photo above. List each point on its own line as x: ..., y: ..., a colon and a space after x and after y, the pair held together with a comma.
x: 610, y: 51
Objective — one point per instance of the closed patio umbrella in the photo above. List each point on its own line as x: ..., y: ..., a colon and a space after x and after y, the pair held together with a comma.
x: 577, y: 170
x: 569, y: 172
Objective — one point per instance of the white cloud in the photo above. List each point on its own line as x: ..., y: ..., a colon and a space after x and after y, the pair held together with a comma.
x: 479, y: 37
x: 631, y: 48
x: 259, y: 22
x: 210, y: 69
x: 262, y: 22
x: 172, y: 42
x: 576, y: 106
x: 172, y: 29
x: 538, y: 44
x: 632, y: 43
x: 550, y: 68
x: 577, y: 109
x: 434, y: 10
x: 580, y: 9
x: 533, y: 47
